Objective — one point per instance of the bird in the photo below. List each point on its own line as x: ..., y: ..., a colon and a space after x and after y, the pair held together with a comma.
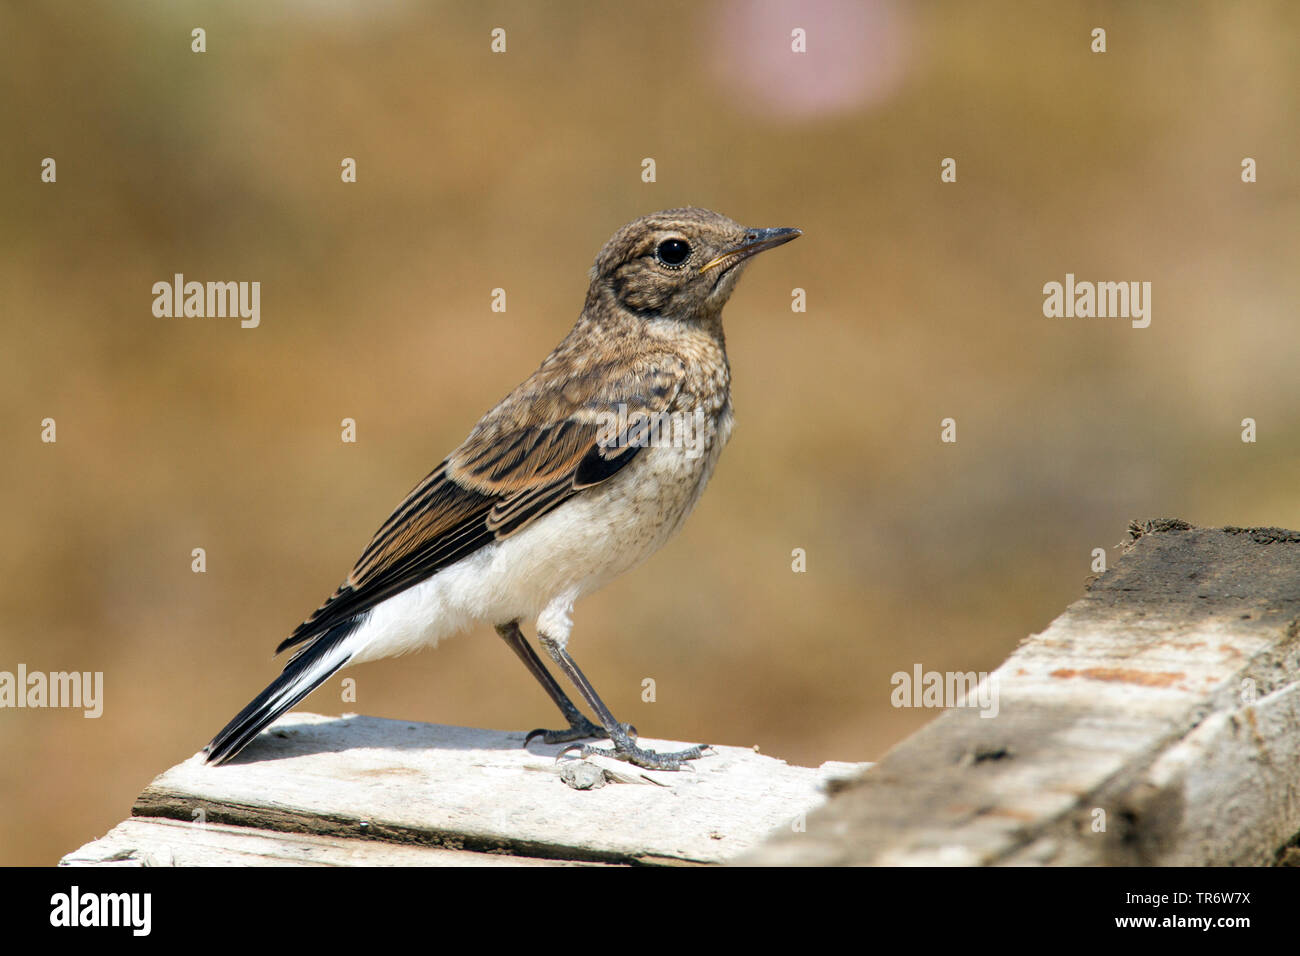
x: 579, y: 474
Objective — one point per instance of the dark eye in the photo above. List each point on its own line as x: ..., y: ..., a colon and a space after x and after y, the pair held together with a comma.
x: 673, y: 252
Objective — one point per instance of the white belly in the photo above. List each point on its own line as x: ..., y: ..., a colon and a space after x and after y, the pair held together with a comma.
x: 539, y: 572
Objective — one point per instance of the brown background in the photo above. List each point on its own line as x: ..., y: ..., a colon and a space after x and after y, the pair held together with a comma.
x: 479, y: 170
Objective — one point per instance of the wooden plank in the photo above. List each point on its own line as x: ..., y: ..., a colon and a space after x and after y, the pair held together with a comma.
x: 335, y: 783
x: 1155, y: 722
x: 155, y: 841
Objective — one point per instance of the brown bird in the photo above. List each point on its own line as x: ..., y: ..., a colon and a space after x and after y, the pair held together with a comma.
x: 579, y: 474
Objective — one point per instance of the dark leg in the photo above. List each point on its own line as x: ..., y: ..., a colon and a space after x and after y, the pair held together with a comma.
x: 625, y: 747
x: 579, y: 725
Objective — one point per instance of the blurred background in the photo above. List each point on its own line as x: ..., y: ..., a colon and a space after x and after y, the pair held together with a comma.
x: 479, y: 170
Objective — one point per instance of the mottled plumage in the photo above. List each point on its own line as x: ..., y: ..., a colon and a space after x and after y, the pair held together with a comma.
x: 560, y: 487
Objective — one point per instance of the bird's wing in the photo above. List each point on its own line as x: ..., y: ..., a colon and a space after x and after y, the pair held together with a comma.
x: 544, y: 443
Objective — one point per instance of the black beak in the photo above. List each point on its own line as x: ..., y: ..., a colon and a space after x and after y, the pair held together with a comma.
x: 755, y: 241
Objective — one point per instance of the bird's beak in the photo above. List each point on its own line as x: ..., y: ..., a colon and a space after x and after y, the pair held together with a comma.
x: 755, y: 241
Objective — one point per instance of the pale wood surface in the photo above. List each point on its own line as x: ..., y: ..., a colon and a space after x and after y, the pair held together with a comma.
x: 1164, y: 704
x: 156, y: 841
x: 362, y: 790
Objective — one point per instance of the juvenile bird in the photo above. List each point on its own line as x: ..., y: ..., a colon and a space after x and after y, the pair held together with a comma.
x: 577, y: 475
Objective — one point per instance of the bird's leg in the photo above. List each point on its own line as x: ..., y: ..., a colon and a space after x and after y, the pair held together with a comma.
x: 579, y: 726
x: 625, y: 747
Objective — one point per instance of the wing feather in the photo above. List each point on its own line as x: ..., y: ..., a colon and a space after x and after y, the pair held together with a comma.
x: 544, y: 443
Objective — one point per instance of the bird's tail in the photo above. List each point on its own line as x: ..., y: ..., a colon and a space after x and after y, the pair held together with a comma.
x: 304, y: 672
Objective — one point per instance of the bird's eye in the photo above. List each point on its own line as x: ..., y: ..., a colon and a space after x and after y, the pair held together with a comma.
x: 673, y: 252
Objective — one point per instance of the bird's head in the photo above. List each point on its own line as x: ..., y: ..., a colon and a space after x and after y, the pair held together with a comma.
x: 680, y: 263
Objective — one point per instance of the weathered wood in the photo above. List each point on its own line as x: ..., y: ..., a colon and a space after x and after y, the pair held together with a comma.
x: 157, y: 841
x: 361, y: 790
x: 1155, y: 722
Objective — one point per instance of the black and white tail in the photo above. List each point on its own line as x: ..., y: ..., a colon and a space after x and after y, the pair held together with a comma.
x: 306, y: 671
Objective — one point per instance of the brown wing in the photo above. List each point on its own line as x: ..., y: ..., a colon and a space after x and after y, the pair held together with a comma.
x: 544, y: 443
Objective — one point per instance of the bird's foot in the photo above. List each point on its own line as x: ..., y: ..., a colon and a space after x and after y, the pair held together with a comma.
x: 649, y: 759
x: 581, y: 729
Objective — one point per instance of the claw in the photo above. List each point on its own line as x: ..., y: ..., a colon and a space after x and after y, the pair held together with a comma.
x: 582, y: 747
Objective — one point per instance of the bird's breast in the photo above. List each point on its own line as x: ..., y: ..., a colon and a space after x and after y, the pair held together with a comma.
x: 648, y: 504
